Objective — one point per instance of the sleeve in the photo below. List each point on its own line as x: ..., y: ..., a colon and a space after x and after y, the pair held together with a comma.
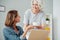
x: 21, y: 33
x: 43, y: 21
x: 22, y: 38
x: 9, y: 35
x: 26, y: 15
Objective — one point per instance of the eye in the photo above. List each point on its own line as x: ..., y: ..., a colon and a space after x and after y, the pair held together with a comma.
x: 19, y: 16
x: 32, y: 4
x: 36, y: 4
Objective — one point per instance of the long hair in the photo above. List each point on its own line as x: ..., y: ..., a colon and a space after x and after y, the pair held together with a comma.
x: 11, y: 15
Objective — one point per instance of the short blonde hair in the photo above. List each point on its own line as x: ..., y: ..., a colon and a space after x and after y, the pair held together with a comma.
x: 12, y: 14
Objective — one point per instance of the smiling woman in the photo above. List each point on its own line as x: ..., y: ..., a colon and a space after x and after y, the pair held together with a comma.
x: 34, y: 17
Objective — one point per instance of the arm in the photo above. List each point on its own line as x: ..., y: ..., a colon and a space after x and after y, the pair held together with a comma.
x: 23, y: 34
x: 26, y: 21
x: 28, y: 27
x: 42, y: 25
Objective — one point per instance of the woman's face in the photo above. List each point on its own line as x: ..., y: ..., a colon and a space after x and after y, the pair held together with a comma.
x: 17, y: 19
x: 35, y: 6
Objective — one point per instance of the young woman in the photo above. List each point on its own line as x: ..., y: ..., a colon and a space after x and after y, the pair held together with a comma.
x: 11, y: 31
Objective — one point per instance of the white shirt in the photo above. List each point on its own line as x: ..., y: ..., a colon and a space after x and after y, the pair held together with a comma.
x: 30, y: 18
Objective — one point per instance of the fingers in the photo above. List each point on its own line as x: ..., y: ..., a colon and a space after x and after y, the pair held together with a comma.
x: 30, y: 27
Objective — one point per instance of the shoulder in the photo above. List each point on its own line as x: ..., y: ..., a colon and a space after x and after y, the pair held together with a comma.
x: 6, y: 30
x: 28, y: 11
x: 43, y: 13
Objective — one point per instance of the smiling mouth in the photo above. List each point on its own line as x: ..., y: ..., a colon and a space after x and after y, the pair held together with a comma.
x: 35, y: 8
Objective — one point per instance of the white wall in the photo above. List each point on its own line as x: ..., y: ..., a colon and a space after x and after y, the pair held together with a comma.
x: 21, y: 6
x: 56, y: 14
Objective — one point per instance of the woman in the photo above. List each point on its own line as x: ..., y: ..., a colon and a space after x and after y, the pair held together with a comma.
x: 34, y: 17
x: 13, y: 32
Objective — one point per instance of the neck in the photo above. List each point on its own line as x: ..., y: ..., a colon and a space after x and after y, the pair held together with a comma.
x: 35, y: 11
x: 14, y: 25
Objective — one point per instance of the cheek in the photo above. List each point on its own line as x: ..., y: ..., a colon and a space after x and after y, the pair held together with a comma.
x: 37, y: 7
x: 17, y: 19
x: 33, y: 6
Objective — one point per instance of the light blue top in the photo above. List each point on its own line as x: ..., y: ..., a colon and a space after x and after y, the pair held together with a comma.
x: 10, y: 34
x: 30, y: 18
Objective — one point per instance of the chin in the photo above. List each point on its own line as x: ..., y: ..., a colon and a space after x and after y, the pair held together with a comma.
x: 18, y: 21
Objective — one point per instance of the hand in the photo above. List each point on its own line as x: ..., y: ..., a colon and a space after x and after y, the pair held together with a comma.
x: 27, y: 29
x: 39, y: 27
x: 30, y: 27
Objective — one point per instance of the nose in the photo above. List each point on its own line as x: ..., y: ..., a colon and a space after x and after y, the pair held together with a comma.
x: 19, y: 17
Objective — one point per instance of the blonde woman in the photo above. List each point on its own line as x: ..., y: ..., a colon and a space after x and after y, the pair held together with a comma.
x: 12, y: 31
x: 34, y: 17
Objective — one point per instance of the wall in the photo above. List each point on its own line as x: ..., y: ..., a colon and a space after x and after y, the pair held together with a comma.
x: 56, y: 15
